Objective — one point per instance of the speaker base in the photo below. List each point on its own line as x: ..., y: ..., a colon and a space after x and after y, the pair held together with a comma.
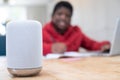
x: 24, y: 72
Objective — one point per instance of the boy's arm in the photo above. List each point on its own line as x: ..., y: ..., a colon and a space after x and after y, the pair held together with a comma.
x: 47, y: 43
x: 92, y: 44
x: 46, y: 48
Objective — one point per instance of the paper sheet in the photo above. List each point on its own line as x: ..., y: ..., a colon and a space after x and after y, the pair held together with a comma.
x: 71, y: 54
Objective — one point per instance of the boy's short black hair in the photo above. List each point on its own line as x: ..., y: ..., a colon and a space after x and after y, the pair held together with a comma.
x: 63, y: 4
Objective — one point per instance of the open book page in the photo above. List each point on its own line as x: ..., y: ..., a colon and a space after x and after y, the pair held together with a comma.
x: 71, y: 54
x: 54, y: 55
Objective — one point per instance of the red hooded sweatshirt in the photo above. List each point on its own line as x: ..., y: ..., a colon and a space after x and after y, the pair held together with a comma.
x: 73, y: 38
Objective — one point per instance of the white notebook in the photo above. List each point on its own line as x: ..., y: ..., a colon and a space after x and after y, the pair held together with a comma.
x: 71, y: 54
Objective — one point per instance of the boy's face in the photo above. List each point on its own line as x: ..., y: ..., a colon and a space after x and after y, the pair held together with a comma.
x: 61, y: 18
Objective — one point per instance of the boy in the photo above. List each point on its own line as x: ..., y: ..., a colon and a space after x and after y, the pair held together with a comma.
x: 60, y: 36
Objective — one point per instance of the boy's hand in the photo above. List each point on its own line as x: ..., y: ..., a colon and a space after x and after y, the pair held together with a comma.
x: 105, y: 48
x: 58, y: 48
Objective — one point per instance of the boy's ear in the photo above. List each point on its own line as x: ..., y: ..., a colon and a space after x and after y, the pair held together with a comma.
x: 52, y: 14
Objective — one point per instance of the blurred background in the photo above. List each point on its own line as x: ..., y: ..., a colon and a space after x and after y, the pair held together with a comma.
x: 97, y: 18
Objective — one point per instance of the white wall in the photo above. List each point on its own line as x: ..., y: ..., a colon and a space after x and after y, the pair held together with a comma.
x: 37, y: 13
x: 97, y: 18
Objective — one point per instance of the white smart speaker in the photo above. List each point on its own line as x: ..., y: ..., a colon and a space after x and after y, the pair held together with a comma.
x: 24, y: 47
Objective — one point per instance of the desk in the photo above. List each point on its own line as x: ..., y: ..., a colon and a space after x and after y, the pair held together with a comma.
x: 91, y: 68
